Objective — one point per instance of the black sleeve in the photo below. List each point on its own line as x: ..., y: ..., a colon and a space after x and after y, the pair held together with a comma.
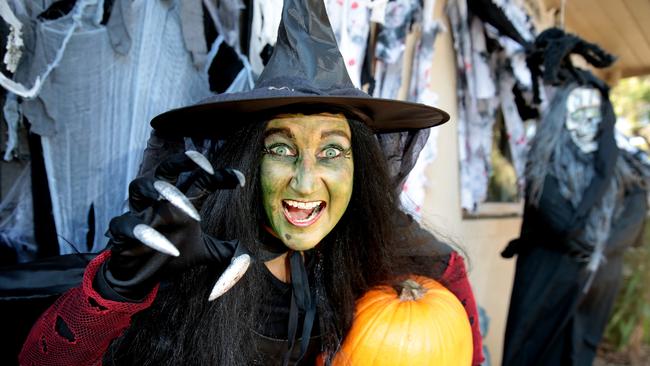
x: 109, y: 292
x: 628, y: 227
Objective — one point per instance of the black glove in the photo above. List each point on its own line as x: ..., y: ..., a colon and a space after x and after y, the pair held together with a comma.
x: 160, y: 238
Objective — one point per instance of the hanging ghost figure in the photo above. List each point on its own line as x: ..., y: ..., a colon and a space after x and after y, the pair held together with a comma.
x: 585, y: 203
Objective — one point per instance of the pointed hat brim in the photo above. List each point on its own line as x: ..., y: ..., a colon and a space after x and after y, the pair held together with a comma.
x: 222, y: 114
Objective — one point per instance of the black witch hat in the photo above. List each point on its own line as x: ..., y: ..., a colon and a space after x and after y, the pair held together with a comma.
x: 305, y: 72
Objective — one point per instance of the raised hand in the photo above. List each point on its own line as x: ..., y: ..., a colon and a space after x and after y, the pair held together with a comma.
x: 161, y: 235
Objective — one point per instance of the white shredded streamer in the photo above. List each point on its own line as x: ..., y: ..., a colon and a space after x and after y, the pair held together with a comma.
x: 12, y: 117
x: 14, y: 39
x: 378, y: 7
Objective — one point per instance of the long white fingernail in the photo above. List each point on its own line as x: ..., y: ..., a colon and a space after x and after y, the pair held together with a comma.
x: 200, y: 160
x: 154, y: 240
x: 176, y: 198
x: 240, y: 177
x: 235, y: 271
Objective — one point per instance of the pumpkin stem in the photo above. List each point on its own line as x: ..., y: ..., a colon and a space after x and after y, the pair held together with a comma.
x: 410, y: 290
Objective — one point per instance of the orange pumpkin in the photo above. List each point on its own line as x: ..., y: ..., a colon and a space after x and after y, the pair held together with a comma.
x: 422, y: 324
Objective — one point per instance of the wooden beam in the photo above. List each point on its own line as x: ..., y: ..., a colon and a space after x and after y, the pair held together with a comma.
x: 641, y: 71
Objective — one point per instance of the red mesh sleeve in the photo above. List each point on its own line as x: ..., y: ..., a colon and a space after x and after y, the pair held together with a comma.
x: 455, y: 279
x: 78, y: 328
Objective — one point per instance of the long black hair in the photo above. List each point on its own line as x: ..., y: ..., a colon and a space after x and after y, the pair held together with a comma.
x: 182, y: 327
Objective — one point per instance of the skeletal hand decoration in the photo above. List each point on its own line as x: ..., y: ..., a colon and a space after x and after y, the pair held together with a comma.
x: 161, y: 234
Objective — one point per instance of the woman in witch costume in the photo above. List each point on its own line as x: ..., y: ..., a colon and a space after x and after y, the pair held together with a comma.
x: 310, y: 222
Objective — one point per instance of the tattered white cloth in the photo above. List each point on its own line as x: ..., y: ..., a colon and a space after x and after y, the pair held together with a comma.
x: 93, y: 111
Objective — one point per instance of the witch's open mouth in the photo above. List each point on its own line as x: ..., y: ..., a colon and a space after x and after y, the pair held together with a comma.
x: 300, y: 213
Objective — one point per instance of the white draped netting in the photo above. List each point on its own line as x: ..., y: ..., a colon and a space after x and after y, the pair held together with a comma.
x: 93, y: 110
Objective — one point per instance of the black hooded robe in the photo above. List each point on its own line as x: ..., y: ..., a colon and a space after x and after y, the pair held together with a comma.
x: 551, y: 320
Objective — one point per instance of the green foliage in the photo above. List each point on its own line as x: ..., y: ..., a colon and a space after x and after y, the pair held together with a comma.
x: 632, y: 308
x: 502, y: 184
x: 631, y: 100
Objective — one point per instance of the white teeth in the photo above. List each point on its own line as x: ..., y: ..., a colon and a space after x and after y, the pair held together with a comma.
x: 303, y: 205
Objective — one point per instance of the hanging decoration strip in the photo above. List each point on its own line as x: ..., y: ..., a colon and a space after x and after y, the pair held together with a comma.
x: 490, y: 54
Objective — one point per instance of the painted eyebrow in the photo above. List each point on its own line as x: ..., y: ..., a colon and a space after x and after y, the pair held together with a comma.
x: 334, y: 133
x: 279, y: 131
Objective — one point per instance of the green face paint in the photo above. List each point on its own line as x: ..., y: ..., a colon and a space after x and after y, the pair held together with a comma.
x: 306, y: 172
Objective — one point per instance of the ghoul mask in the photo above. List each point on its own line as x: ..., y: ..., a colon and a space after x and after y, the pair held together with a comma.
x: 583, y: 117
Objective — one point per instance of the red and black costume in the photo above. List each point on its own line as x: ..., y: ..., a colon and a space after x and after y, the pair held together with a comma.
x: 79, y: 327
